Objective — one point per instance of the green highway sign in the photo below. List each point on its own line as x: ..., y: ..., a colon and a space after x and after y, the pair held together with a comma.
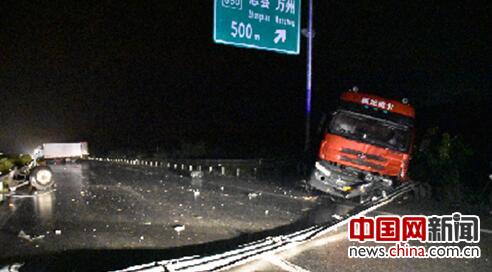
x: 262, y: 24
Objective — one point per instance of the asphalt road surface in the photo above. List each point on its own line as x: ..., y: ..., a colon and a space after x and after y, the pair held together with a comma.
x: 103, y: 216
x: 108, y: 216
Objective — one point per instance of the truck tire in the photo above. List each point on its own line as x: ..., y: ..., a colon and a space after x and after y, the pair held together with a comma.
x: 41, y: 178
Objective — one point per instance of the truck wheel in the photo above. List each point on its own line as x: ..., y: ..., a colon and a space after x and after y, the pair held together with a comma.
x: 41, y: 178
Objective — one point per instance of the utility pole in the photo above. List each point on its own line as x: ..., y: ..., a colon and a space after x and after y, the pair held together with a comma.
x: 309, y: 71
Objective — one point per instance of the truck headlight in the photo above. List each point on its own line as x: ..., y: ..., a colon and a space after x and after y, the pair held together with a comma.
x: 322, y: 169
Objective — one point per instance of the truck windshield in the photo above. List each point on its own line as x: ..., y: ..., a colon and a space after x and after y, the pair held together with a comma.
x: 370, y: 130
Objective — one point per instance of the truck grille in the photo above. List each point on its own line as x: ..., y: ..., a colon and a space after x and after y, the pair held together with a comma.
x: 362, y: 162
x: 361, y: 155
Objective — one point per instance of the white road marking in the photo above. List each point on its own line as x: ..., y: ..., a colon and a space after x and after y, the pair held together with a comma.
x: 284, y: 264
x: 486, y: 231
x: 384, y: 213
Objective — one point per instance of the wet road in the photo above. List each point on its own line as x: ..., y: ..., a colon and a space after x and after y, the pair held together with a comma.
x: 102, y: 210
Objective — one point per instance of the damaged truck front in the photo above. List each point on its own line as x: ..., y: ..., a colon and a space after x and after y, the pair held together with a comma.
x: 366, y: 146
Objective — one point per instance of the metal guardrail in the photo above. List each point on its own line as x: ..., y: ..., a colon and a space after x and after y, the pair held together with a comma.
x: 220, y: 167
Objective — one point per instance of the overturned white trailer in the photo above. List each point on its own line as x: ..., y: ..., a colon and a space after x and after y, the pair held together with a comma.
x: 65, y: 150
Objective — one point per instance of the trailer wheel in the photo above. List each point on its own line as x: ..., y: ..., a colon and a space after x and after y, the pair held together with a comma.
x: 41, y: 178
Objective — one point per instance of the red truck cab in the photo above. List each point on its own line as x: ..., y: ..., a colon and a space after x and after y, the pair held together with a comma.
x: 366, y: 146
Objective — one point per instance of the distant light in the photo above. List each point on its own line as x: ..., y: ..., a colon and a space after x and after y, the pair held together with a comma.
x: 404, y: 101
x: 355, y: 89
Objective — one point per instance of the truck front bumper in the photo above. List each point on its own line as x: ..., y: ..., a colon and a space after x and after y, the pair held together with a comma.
x: 333, y: 180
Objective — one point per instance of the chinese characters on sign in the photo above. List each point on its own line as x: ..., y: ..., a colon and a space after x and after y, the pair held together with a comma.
x: 287, y: 6
x: 261, y: 24
x: 263, y: 3
x: 377, y: 104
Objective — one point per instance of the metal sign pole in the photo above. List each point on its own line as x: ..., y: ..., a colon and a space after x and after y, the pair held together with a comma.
x: 309, y: 75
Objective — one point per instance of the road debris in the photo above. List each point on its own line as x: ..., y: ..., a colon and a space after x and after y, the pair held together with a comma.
x: 179, y: 228
x: 252, y: 195
x: 196, y: 193
x: 337, y: 217
x: 196, y: 174
x: 12, y: 268
x: 23, y: 235
x: 310, y: 198
x: 27, y: 237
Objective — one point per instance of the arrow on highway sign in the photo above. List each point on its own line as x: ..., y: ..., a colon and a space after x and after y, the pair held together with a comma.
x: 281, y: 35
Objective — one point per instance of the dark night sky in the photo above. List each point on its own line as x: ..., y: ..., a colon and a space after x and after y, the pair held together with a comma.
x: 145, y: 73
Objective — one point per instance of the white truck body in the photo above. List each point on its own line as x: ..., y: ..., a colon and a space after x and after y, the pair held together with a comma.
x: 65, y: 150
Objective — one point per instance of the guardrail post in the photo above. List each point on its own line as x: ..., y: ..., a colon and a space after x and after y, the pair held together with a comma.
x: 210, y: 169
x: 238, y: 172
x: 222, y: 170
x: 190, y: 168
